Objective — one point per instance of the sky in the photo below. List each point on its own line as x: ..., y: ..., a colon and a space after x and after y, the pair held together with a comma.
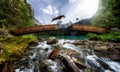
x: 45, y: 10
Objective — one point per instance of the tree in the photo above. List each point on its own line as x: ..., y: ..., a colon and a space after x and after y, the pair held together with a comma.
x: 16, y: 13
x: 108, y: 14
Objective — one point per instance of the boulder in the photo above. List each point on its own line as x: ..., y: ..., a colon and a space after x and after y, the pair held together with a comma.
x: 115, y: 29
x: 100, y: 48
x: 3, y: 32
x: 52, y: 41
x: 43, y: 64
x: 78, y: 42
x: 33, y: 43
x: 115, y: 57
x: 41, y: 39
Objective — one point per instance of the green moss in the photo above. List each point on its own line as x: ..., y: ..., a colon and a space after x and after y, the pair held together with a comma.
x: 14, y: 47
x: 109, y: 36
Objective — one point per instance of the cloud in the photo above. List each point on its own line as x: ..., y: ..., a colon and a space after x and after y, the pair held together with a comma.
x: 48, y: 10
x: 55, y: 11
x: 45, y: 10
x: 72, y: 1
x: 51, y: 10
x: 81, y: 9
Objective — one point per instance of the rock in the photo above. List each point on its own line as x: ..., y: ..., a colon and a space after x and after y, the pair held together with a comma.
x: 105, y: 65
x: 115, y: 57
x: 40, y: 39
x: 43, y: 64
x: 33, y: 43
x: 46, y: 49
x: 3, y: 32
x: 66, y: 42
x: 52, y: 41
x: 1, y: 48
x: 52, y: 37
x: 115, y: 29
x: 100, y: 48
x: 1, y: 45
x: 78, y: 42
x: 46, y: 66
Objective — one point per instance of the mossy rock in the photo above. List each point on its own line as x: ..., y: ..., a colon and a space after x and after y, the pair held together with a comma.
x: 12, y: 51
x: 3, y: 32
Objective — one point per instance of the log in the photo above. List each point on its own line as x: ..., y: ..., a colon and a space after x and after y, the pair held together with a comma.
x: 88, y: 28
x: 28, y: 30
x: 69, y: 64
x: 33, y: 29
x: 54, y: 54
x: 79, y: 65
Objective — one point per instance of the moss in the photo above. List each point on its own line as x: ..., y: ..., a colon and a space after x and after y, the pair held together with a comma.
x: 15, y: 47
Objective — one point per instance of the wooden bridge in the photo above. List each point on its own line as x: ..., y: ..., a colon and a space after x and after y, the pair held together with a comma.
x: 76, y: 27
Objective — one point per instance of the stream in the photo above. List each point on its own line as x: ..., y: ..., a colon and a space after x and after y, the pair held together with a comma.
x: 37, y: 59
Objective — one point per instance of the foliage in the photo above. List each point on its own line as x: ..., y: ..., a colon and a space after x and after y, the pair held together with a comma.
x: 15, y: 14
x: 14, y: 47
x: 92, y: 36
x: 109, y: 36
x: 108, y: 14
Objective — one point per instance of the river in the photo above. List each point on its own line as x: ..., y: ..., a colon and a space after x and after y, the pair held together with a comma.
x: 36, y: 58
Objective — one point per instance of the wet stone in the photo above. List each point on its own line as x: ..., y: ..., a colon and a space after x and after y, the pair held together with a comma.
x: 3, y: 32
x: 52, y: 41
x: 41, y: 39
x: 33, y: 43
x: 78, y: 42
x: 100, y: 48
x: 43, y: 64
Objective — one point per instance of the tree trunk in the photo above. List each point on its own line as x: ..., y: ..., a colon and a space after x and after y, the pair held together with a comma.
x: 33, y: 29
x: 88, y: 28
x: 69, y: 64
x: 38, y: 28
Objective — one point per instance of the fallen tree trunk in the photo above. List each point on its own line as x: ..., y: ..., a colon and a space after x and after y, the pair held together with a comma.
x: 33, y: 29
x: 69, y: 64
x: 54, y: 54
x: 88, y: 28
x: 38, y: 28
x: 79, y: 65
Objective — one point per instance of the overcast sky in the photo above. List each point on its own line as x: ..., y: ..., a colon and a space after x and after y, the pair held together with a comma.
x: 45, y: 10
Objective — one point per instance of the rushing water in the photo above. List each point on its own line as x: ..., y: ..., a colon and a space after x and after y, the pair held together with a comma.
x: 35, y: 55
